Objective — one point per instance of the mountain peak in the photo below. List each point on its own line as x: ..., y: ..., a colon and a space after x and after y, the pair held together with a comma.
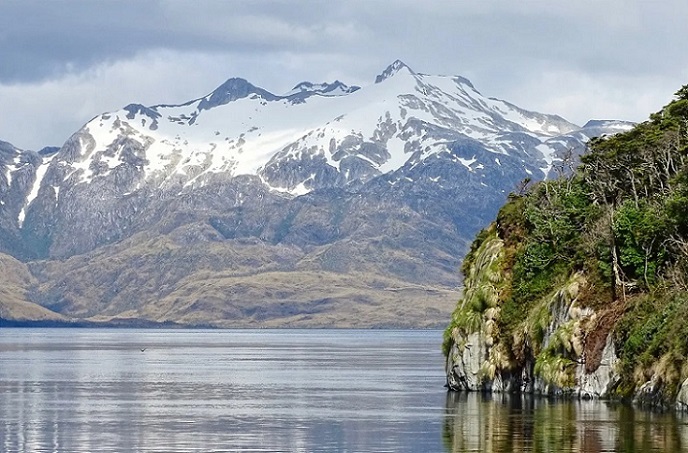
x: 305, y: 86
x: 232, y: 90
x: 235, y: 85
x: 395, y: 67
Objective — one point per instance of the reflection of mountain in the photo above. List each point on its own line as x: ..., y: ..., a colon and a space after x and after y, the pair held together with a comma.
x: 512, y: 423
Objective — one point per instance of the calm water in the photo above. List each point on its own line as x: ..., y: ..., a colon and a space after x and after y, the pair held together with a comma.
x: 80, y: 390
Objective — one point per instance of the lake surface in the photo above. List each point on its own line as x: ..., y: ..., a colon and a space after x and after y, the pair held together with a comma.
x: 84, y: 390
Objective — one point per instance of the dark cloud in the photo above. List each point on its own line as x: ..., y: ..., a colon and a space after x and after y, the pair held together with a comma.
x: 42, y: 39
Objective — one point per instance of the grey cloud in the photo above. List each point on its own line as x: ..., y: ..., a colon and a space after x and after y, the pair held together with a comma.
x: 45, y: 38
x: 588, y: 54
x: 42, y: 39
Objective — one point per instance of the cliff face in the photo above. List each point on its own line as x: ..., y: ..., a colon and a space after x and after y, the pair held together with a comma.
x: 560, y: 347
x: 479, y: 358
x: 580, y: 285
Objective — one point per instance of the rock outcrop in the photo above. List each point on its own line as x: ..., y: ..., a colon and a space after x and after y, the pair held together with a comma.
x: 476, y: 355
x: 682, y: 398
x: 579, y: 287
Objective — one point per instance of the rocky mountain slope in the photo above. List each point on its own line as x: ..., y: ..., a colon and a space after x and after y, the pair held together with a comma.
x: 15, y: 303
x: 327, y: 205
x: 580, y: 286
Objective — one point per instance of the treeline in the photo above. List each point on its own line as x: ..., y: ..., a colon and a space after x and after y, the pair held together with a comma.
x: 619, y: 219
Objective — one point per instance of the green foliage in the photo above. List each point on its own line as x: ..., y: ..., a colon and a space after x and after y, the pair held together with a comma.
x: 477, y: 242
x: 511, y: 221
x: 676, y: 206
x: 682, y: 94
x: 557, y: 211
x: 555, y: 369
x: 653, y: 327
x: 641, y: 231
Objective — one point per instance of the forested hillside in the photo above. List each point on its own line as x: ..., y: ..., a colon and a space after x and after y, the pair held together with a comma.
x: 589, y: 265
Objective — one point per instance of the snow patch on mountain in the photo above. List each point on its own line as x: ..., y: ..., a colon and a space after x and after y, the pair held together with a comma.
x: 40, y: 173
x: 15, y: 165
x: 317, y: 135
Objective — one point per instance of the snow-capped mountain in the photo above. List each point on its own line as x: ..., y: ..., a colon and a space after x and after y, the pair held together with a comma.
x: 316, y: 136
x: 396, y: 176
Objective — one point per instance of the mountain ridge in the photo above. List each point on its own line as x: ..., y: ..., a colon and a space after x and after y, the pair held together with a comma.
x: 388, y: 180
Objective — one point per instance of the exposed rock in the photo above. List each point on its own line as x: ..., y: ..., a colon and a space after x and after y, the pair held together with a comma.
x: 476, y: 359
x: 682, y: 397
x: 650, y: 394
x: 466, y: 372
x: 602, y: 381
x: 464, y: 362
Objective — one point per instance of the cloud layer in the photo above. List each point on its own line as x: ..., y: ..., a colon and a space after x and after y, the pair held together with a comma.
x: 65, y: 62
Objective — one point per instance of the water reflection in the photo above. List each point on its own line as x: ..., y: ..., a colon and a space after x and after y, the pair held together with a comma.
x: 87, y: 390
x: 511, y: 423
x: 270, y: 391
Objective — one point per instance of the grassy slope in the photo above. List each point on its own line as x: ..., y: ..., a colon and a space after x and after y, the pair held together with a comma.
x: 238, y: 283
x: 15, y: 285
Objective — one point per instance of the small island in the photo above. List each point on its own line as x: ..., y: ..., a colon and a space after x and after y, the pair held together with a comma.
x: 580, y: 286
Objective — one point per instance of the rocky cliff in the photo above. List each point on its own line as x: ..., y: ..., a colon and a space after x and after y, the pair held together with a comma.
x: 579, y: 286
x: 479, y: 359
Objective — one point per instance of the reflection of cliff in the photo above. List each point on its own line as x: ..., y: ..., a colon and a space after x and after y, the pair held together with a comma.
x: 481, y: 422
x: 514, y: 423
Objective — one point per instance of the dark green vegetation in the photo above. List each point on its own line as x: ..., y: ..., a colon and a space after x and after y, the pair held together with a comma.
x: 611, y: 234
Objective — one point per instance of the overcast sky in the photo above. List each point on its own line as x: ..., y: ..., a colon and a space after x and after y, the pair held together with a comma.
x: 64, y: 62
